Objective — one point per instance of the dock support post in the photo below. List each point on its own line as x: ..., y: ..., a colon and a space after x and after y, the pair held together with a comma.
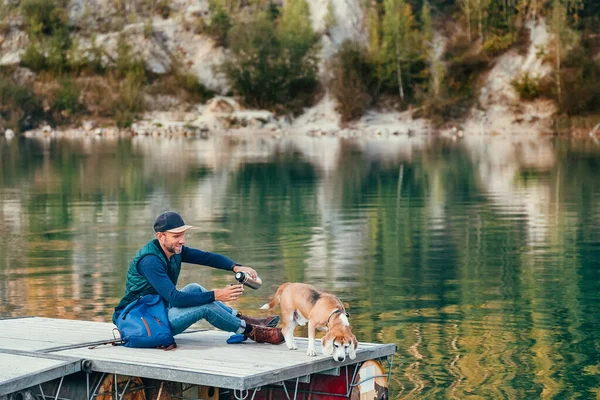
x: 97, y: 387
x: 295, y: 389
x: 59, y: 386
x: 125, y: 389
x: 42, y: 391
x: 243, y: 394
x: 350, y: 385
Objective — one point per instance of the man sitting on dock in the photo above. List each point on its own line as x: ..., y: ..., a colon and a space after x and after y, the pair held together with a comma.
x: 155, y: 270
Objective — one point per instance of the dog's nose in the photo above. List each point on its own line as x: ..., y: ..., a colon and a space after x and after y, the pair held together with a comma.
x: 340, y: 359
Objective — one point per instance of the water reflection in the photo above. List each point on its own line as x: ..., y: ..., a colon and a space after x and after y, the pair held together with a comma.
x: 478, y: 258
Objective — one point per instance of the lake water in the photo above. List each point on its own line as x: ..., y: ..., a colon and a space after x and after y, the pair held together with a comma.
x: 479, y: 257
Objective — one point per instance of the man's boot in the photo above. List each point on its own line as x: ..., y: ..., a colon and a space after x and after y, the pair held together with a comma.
x: 262, y: 334
x: 270, y: 321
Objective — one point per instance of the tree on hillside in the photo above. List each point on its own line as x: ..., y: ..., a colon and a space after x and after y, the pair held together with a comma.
x: 426, y: 23
x: 330, y: 18
x: 435, y: 66
x: 557, y: 26
x: 294, y: 29
x: 573, y: 6
x: 482, y: 7
x: 466, y: 8
x: 397, y: 30
x: 531, y: 9
x: 352, y: 80
x: 475, y: 12
x: 273, y: 59
x: 374, y: 31
x: 563, y: 13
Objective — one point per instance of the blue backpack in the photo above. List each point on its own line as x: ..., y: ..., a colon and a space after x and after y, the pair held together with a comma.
x: 144, y: 323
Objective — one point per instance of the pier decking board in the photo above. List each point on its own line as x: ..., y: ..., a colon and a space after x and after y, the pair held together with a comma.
x: 19, y: 371
x: 42, y: 334
x: 202, y: 358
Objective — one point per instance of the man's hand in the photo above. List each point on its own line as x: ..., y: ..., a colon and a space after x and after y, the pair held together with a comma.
x: 250, y: 271
x: 229, y: 293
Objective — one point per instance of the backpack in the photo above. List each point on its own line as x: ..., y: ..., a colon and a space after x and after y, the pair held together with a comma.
x: 144, y: 323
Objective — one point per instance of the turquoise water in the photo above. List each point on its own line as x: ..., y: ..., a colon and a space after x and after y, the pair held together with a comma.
x: 479, y: 258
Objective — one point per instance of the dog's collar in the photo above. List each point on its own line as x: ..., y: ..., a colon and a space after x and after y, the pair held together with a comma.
x: 336, y: 311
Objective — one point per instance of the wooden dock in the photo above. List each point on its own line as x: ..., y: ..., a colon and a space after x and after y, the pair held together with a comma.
x: 35, y: 350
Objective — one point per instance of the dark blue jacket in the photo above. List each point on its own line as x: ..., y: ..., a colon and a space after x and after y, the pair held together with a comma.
x: 151, y: 272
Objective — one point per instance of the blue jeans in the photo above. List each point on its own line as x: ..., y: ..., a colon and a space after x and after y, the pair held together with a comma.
x: 216, y: 313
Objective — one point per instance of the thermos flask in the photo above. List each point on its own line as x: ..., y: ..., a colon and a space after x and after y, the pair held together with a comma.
x: 243, y: 277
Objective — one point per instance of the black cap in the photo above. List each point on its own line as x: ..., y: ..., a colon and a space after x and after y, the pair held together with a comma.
x: 170, y: 222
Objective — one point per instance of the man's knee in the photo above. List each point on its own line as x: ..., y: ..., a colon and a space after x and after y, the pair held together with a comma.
x: 193, y: 287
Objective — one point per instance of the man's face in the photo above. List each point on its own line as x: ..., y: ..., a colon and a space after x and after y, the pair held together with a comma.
x: 171, y: 242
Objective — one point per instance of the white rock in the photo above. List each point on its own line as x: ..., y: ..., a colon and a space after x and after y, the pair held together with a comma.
x: 88, y: 125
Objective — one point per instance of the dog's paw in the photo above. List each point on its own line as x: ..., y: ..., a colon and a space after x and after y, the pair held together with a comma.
x: 311, y: 352
x: 291, y: 346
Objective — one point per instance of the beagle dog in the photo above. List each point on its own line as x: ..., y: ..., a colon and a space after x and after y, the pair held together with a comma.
x: 301, y: 303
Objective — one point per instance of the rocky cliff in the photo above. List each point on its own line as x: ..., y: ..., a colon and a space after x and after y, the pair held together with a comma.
x: 166, y: 35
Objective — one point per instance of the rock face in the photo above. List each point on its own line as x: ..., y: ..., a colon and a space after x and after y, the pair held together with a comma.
x: 348, y: 24
x: 167, y: 34
x: 500, y: 109
x: 12, y: 41
x: 165, y: 37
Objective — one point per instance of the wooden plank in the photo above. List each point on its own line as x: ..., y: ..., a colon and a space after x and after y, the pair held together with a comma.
x: 204, y: 358
x: 43, y: 334
x: 20, y: 371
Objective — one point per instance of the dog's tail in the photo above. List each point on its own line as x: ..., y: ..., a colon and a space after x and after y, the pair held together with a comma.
x: 275, y: 299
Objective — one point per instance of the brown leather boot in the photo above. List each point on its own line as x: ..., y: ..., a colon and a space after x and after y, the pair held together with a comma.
x: 270, y: 321
x: 262, y: 334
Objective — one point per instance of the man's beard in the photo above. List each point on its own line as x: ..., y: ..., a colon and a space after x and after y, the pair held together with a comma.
x: 175, y: 249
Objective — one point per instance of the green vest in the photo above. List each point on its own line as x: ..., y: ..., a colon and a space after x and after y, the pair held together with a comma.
x: 137, y: 285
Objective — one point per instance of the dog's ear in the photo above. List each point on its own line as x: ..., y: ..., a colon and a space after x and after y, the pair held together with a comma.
x: 327, y: 344
x: 352, y: 348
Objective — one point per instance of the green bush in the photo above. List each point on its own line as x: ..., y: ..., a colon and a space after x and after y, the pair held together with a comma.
x: 66, y: 102
x: 50, y: 40
x: 33, y: 58
x: 49, y: 54
x: 128, y: 63
x: 190, y: 84
x: 351, y: 79
x: 463, y: 69
x: 220, y: 24
x: 527, y: 86
x: 445, y: 107
x: 44, y: 16
x: 274, y: 59
x: 130, y: 100
x: 19, y: 107
x: 59, y: 45
x: 163, y: 8
x: 580, y: 80
x: 498, y: 44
